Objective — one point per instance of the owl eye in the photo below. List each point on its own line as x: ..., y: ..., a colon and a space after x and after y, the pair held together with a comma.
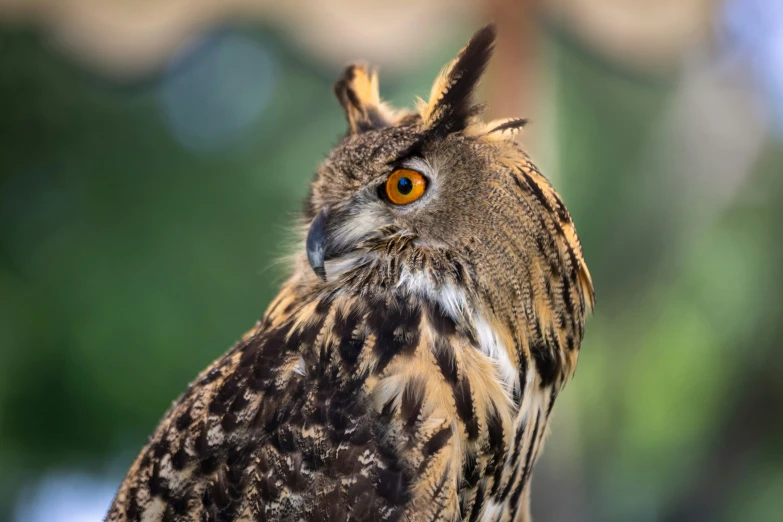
x: 405, y: 186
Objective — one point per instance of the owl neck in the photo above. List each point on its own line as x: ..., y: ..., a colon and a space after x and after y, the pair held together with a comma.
x: 526, y: 340
x: 442, y: 307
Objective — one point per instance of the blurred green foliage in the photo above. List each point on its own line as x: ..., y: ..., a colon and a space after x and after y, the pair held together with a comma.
x: 128, y: 263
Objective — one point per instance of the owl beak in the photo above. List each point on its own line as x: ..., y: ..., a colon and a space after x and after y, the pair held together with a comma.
x: 317, y: 242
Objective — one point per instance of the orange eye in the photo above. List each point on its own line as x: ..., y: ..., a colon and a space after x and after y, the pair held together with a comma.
x: 405, y: 186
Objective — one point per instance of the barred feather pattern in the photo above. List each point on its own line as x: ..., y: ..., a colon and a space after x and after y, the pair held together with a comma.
x: 414, y: 377
x: 345, y: 403
x: 342, y: 408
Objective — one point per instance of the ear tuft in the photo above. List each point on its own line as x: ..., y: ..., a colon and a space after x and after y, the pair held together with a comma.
x: 510, y: 125
x: 452, y: 104
x: 496, y: 130
x: 358, y: 93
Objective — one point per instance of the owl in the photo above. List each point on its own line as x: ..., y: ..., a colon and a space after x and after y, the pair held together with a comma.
x: 408, y: 367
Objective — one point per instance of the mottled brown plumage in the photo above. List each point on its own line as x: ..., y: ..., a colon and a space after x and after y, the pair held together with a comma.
x: 408, y: 368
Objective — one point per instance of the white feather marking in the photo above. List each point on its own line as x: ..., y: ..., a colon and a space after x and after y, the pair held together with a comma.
x: 420, y: 165
x: 492, y: 511
x: 215, y: 435
x: 490, y: 344
x: 154, y: 510
x: 454, y: 302
x: 416, y: 283
x: 361, y: 224
x: 341, y: 265
x: 299, y: 367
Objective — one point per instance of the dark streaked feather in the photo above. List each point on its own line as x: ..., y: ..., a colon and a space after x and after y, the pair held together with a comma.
x: 514, y: 124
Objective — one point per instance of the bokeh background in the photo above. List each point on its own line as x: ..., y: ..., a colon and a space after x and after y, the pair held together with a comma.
x: 153, y: 154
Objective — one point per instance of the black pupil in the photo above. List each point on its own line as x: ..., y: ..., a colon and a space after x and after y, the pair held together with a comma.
x: 404, y: 186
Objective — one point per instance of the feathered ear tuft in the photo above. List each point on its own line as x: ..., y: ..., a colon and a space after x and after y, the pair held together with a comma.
x: 452, y: 104
x: 357, y: 91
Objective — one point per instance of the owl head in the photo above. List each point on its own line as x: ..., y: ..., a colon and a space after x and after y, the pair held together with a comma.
x: 437, y: 204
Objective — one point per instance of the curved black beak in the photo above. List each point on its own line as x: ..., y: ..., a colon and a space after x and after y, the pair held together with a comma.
x: 317, y: 242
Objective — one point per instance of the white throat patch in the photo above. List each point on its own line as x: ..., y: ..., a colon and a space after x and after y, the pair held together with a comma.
x: 454, y: 302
